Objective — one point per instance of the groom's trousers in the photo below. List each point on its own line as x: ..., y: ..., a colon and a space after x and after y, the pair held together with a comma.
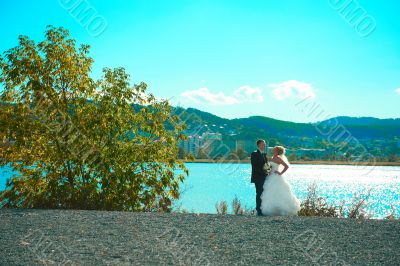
x: 259, y: 190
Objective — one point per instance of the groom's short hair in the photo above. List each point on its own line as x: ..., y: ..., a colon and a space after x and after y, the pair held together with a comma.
x: 259, y: 141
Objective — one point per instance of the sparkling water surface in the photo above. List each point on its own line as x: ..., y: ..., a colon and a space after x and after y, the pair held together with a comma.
x: 209, y: 183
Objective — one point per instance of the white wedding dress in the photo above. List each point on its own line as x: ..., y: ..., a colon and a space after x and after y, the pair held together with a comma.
x: 277, y: 197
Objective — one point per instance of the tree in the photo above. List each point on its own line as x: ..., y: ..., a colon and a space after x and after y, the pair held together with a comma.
x: 201, y: 154
x: 79, y: 143
x: 181, y: 153
x: 241, y: 153
x: 292, y: 156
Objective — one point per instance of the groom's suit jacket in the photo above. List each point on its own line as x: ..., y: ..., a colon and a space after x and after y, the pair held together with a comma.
x: 257, y: 163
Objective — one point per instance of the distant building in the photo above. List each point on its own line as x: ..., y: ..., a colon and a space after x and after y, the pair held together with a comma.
x: 211, y: 143
x: 208, y: 141
x: 312, y: 153
x: 206, y: 136
x: 191, y: 145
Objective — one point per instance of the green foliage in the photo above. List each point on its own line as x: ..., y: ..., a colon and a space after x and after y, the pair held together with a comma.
x: 239, y: 154
x: 80, y: 143
x: 378, y: 136
x: 181, y: 153
x: 201, y: 154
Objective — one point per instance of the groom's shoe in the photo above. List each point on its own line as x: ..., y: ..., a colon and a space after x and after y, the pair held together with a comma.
x: 260, y: 214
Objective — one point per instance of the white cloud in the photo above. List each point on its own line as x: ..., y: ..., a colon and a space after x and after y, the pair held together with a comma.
x: 398, y: 90
x: 249, y: 94
x: 243, y: 94
x: 203, y: 95
x: 292, y: 88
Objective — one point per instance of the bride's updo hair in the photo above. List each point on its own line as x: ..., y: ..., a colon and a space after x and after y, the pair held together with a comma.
x: 279, y: 150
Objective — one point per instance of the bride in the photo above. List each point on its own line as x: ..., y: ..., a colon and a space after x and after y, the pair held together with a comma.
x: 277, y: 197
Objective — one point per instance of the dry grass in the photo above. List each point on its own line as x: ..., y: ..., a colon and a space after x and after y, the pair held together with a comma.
x: 222, y: 207
x: 236, y: 207
x: 314, y: 205
x: 392, y: 215
x: 318, y: 206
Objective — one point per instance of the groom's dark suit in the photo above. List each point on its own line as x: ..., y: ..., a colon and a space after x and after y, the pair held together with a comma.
x: 257, y: 175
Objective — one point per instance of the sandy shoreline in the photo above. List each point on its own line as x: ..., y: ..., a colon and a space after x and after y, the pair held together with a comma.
x: 37, y: 237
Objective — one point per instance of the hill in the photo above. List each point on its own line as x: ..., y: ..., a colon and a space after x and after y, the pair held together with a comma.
x: 248, y: 128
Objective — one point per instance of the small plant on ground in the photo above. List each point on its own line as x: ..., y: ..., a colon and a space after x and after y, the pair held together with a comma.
x: 237, y: 206
x: 316, y: 206
x: 392, y: 215
x: 358, y: 207
x: 222, y: 207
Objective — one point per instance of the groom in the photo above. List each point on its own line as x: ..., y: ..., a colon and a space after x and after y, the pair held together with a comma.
x: 258, y: 159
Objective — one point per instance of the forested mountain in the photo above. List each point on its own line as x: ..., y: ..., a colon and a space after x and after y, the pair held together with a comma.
x: 257, y: 126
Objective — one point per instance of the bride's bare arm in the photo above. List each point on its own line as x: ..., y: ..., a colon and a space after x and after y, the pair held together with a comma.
x: 285, y: 166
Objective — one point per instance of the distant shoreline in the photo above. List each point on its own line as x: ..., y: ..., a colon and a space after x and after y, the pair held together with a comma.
x: 247, y: 161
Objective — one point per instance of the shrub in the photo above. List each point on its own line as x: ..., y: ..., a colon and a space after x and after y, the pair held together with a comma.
x: 316, y: 206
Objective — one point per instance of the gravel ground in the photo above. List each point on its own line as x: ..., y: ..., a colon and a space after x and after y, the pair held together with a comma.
x: 63, y: 237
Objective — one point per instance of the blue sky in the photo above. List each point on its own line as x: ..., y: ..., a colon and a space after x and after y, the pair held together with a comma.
x: 238, y: 58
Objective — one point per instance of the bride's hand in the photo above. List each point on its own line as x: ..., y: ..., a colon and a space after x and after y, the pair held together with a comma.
x: 277, y: 172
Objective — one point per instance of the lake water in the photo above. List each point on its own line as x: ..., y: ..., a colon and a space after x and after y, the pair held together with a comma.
x: 209, y: 183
